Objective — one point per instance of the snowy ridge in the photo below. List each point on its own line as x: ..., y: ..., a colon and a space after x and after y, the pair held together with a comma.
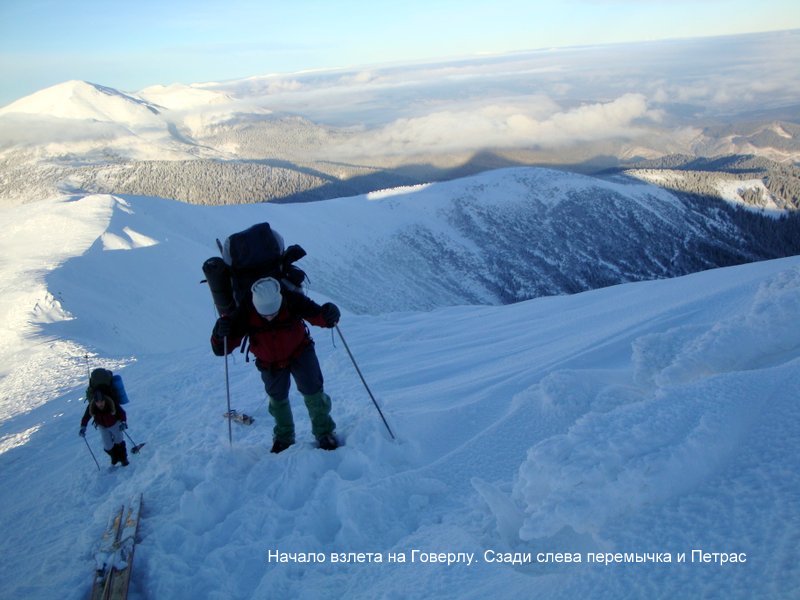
x: 182, y: 97
x: 658, y: 416
x: 496, y: 238
x: 86, y: 101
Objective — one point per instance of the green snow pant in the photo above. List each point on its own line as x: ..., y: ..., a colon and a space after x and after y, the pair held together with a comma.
x: 307, y: 375
x: 319, y: 411
x: 281, y: 411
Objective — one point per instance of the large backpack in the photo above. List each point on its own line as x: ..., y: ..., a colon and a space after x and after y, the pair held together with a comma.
x: 108, y: 383
x: 248, y: 256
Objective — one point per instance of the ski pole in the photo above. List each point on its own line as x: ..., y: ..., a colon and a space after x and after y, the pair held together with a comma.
x: 227, y: 380
x: 89, y: 448
x: 364, y: 381
x: 227, y: 389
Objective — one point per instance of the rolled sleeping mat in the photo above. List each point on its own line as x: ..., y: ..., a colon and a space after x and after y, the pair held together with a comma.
x: 218, y: 277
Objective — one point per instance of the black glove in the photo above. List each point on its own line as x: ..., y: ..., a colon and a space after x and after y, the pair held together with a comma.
x: 331, y: 314
x: 82, y: 432
x: 223, y: 327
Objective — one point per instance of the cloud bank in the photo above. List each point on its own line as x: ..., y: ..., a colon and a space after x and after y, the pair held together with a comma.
x: 542, y: 125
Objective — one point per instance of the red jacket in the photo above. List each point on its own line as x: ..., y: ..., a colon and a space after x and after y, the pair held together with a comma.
x: 274, y: 342
x: 111, y: 413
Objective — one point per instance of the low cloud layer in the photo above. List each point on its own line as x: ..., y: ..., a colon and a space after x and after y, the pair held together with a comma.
x: 543, y: 99
x: 509, y: 127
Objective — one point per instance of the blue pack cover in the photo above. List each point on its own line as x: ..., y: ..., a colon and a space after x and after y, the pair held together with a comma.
x: 116, y: 381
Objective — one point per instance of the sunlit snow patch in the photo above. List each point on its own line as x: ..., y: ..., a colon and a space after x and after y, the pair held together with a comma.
x: 131, y: 240
x: 14, y: 440
x: 398, y: 191
x: 49, y: 310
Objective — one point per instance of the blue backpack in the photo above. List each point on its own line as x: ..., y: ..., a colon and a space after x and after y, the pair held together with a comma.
x: 104, y: 380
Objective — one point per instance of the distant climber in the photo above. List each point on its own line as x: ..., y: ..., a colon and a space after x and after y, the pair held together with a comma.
x: 105, y: 407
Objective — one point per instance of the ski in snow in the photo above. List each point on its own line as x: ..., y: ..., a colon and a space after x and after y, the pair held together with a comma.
x: 239, y: 417
x: 114, y: 557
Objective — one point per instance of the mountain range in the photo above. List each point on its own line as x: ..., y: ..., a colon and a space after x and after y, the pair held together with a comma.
x: 498, y: 237
x: 622, y: 205
x: 341, y: 132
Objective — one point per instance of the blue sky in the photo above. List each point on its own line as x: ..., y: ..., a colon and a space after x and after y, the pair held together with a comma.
x: 130, y: 45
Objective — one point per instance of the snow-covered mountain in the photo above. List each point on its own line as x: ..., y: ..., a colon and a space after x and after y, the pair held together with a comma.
x: 514, y: 234
x: 654, y: 419
x: 244, y: 120
x: 76, y: 123
x: 326, y: 134
x: 87, y: 101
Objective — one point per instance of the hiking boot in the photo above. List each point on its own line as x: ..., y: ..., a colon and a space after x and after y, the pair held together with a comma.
x: 328, y: 442
x: 113, y: 454
x: 279, y: 446
x: 121, y: 453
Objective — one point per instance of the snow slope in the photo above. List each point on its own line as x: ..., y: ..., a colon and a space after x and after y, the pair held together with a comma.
x: 656, y: 417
